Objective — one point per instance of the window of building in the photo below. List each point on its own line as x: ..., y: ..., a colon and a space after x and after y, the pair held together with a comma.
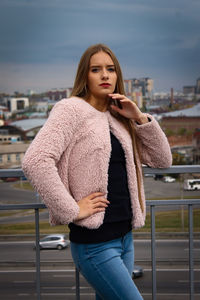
x: 8, y: 157
x: 1, y: 158
x: 18, y: 157
x: 20, y: 104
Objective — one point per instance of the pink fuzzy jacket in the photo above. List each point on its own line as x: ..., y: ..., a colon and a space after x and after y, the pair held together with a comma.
x: 69, y: 159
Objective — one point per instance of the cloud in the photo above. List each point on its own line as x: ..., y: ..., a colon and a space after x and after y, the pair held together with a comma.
x: 151, y: 37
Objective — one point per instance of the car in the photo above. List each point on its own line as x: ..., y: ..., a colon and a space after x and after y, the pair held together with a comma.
x: 149, y: 175
x: 10, y: 179
x: 54, y: 241
x: 137, y: 272
x: 169, y: 179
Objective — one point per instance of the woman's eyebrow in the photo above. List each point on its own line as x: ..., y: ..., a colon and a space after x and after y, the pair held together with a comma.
x: 98, y: 66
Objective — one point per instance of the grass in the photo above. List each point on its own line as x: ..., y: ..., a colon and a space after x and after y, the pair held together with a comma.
x: 173, y: 221
x: 29, y: 228
x: 167, y: 221
x: 23, y: 185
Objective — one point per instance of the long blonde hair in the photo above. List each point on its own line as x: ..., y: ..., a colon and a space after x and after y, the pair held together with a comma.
x: 80, y: 90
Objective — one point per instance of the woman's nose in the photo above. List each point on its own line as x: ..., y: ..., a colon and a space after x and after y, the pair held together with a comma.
x: 105, y: 74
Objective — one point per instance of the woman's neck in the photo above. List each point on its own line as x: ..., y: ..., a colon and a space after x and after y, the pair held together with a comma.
x: 100, y: 104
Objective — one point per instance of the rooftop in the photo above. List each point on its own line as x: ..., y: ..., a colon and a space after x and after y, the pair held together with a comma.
x: 29, y: 124
x: 188, y: 112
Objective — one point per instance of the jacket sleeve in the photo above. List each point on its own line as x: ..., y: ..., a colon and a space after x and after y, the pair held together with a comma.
x: 154, y: 148
x: 42, y: 156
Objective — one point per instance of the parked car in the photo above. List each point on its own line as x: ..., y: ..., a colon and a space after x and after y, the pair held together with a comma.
x: 10, y: 179
x: 137, y: 272
x: 54, y: 241
x: 149, y: 175
x: 169, y: 179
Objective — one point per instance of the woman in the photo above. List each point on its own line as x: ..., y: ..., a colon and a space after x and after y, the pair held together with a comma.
x: 86, y: 164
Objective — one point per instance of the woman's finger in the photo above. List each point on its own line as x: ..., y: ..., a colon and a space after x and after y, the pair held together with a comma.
x: 97, y: 210
x: 95, y: 195
x: 100, y: 199
x: 117, y: 96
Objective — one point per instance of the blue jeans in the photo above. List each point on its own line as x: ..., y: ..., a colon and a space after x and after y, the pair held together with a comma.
x: 108, y: 267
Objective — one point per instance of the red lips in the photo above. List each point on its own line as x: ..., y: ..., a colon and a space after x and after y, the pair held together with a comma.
x: 105, y: 84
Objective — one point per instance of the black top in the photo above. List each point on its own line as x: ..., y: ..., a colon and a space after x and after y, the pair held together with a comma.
x: 118, y: 215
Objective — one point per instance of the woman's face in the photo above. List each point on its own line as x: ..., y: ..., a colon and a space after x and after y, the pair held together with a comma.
x: 102, y: 76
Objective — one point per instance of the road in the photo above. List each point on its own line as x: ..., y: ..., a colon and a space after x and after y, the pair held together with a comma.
x: 166, y: 250
x: 153, y: 190
x: 17, y: 275
x: 172, y: 283
x: 58, y: 279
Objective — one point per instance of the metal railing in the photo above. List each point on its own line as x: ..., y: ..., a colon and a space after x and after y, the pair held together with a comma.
x: 150, y: 203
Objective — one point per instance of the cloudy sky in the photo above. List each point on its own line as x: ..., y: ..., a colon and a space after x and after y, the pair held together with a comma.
x: 41, y: 41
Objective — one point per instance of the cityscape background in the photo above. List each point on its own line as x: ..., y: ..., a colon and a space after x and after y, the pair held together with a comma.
x: 41, y: 41
x: 158, y: 46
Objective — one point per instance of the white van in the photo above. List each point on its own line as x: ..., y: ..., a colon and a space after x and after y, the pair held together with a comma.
x: 191, y: 184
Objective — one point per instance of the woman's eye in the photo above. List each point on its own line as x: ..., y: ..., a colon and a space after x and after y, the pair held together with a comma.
x: 111, y: 69
x: 94, y: 70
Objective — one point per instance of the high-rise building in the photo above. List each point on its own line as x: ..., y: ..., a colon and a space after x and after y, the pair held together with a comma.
x: 139, y: 89
x: 192, y: 89
x: 145, y: 85
x: 198, y: 86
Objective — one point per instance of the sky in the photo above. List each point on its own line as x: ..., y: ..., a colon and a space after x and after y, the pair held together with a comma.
x: 41, y: 41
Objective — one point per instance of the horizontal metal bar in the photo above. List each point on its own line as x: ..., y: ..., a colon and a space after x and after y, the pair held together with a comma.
x: 146, y: 170
x: 173, y: 169
x: 22, y: 206
x: 148, y: 202
x: 11, y: 173
x: 173, y: 202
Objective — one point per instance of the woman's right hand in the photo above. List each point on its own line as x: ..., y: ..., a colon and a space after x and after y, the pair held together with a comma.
x: 91, y: 204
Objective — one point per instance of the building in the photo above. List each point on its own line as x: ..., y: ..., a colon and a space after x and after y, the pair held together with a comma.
x: 17, y: 104
x: 137, y: 97
x: 13, y: 140
x: 198, y: 86
x: 6, y: 138
x: 58, y: 94
x: 145, y: 85
x: 180, y: 127
x: 11, y: 155
x: 196, y: 146
x: 26, y: 129
x: 188, y: 119
x: 192, y: 89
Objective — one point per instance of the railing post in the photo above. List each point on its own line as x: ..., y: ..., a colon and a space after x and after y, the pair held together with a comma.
x: 37, y: 237
x: 77, y: 285
x: 153, y: 252
x: 191, y: 258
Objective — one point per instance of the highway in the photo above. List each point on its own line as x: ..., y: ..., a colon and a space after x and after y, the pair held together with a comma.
x: 166, y: 250
x: 17, y: 274
x: 153, y: 190
x: 17, y: 258
x: 172, y: 283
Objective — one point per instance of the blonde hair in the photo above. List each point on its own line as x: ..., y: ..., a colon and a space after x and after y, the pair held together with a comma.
x: 80, y: 90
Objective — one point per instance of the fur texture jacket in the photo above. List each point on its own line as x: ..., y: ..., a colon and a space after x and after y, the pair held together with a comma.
x: 69, y: 159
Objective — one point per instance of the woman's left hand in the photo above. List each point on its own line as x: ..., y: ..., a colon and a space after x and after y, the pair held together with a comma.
x: 129, y: 109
